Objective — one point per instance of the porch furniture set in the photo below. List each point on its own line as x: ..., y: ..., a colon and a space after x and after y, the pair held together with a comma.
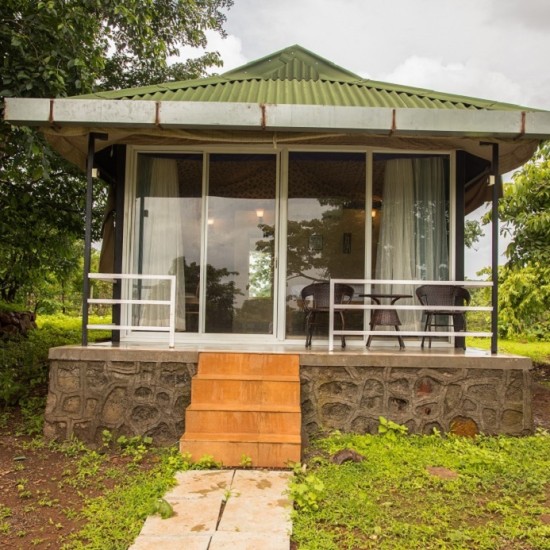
x: 316, y: 302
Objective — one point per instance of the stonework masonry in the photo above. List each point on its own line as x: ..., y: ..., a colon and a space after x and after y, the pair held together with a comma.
x: 145, y: 392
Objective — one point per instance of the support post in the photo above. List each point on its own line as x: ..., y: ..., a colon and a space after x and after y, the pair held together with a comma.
x: 460, y: 218
x: 494, y: 263
x: 120, y: 152
x: 88, y: 232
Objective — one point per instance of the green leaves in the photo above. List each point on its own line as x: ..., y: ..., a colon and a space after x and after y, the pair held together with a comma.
x: 525, y: 211
x: 56, y: 49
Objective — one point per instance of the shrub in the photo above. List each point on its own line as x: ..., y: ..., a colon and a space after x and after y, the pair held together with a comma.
x: 24, y: 366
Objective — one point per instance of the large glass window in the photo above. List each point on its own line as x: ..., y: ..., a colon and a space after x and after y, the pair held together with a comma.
x: 240, y: 243
x: 235, y: 212
x: 326, y: 225
x: 167, y: 237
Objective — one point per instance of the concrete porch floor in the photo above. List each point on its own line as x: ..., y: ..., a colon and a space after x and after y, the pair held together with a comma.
x: 352, y: 355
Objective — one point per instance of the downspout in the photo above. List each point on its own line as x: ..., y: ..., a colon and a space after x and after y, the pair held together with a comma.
x: 88, y: 232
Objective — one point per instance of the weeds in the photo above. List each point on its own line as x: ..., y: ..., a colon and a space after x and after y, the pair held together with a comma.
x: 417, y: 492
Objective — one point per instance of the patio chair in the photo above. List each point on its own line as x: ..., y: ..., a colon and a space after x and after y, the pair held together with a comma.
x: 316, y: 300
x: 443, y: 295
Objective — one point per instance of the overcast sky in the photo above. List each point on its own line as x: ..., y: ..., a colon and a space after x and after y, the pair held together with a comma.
x: 491, y: 49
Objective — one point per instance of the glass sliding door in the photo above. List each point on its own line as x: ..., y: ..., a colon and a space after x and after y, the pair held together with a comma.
x: 167, y: 213
x: 410, y: 222
x: 325, y: 226
x: 240, y: 243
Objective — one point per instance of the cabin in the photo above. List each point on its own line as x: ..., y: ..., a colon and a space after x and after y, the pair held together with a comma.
x: 267, y: 233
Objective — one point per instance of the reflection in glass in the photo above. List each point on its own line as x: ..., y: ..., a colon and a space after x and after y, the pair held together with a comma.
x: 240, y: 243
x: 326, y: 226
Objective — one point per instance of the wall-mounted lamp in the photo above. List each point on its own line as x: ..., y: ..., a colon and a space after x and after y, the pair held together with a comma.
x: 210, y: 221
x: 260, y: 212
x: 376, y: 206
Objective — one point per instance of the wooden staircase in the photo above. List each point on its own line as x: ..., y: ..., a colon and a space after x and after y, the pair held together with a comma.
x: 245, y: 404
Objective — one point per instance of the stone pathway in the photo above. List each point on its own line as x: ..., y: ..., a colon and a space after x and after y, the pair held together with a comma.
x: 221, y: 510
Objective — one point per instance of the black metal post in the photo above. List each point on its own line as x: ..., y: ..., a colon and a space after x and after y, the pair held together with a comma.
x: 120, y: 152
x: 460, y: 215
x: 494, y: 263
x: 88, y: 233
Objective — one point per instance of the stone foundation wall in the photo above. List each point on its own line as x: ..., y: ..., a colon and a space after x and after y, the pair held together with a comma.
x: 146, y: 392
x: 127, y: 397
x: 352, y: 399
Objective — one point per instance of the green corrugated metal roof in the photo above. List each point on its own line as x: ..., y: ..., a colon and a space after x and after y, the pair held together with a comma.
x: 297, y: 76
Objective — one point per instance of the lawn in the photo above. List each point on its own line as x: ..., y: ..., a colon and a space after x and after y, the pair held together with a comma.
x: 422, y: 492
x: 539, y: 352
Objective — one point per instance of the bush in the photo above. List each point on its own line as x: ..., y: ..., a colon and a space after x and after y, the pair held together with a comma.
x: 24, y: 365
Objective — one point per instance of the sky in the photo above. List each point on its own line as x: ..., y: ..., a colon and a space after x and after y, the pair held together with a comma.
x: 491, y: 49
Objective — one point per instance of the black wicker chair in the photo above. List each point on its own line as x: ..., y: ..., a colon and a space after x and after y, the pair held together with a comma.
x: 316, y: 300
x: 443, y: 295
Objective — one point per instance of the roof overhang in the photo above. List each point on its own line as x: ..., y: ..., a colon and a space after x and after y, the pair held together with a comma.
x: 66, y: 117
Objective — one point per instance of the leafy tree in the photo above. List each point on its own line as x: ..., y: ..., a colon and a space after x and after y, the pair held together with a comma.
x: 525, y: 211
x: 55, y: 49
x: 472, y: 232
x: 524, y: 301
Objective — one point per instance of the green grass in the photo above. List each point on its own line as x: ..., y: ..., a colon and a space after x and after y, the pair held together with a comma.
x: 114, y: 520
x: 391, y: 501
x: 539, y: 352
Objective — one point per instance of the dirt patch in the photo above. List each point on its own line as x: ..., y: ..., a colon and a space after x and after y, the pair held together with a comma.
x: 39, y: 499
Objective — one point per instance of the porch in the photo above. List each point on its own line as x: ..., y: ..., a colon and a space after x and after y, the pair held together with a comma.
x: 135, y: 390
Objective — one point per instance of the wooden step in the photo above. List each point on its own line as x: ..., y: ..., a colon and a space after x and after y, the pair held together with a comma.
x: 245, y: 405
x: 244, y: 437
x: 244, y: 391
x: 239, y: 453
x: 253, y: 422
x: 249, y: 363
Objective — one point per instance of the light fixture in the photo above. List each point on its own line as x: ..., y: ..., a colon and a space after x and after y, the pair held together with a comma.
x: 210, y: 221
x: 373, y: 213
x: 260, y: 212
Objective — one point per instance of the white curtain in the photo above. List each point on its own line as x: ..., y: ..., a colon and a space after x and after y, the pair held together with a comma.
x: 432, y: 243
x: 396, y: 245
x: 162, y: 244
x: 413, y: 242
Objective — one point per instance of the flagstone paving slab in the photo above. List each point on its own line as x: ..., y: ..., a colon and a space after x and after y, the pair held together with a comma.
x: 256, y: 483
x: 187, y: 542
x: 223, y: 509
x: 266, y: 515
x: 248, y: 541
x: 190, y: 516
x: 201, y: 483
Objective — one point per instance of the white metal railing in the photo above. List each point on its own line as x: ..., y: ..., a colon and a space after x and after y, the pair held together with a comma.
x: 171, y: 303
x: 378, y: 282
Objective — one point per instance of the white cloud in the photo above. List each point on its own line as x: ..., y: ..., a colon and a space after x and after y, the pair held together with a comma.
x: 467, y: 79
x: 230, y: 49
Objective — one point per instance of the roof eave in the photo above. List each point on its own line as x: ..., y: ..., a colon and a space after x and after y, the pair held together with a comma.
x: 300, y: 118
